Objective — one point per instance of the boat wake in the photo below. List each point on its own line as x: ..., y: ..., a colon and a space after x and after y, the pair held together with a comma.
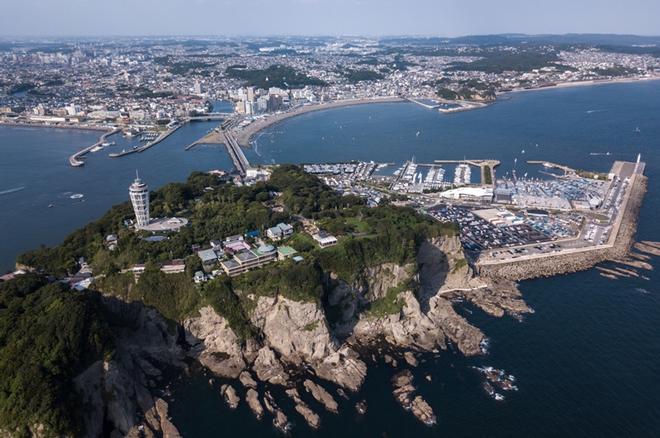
x: 14, y: 190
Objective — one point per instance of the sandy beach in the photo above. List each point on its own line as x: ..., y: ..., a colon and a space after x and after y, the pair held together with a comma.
x: 245, y: 135
x: 583, y: 84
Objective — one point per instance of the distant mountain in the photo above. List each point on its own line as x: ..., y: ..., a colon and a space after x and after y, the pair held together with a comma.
x: 515, y: 38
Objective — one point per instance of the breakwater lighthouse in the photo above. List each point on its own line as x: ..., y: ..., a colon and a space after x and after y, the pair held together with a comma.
x: 139, y: 193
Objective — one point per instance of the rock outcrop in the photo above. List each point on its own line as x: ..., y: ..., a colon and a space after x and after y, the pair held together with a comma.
x: 214, y: 344
x: 298, y: 332
x: 321, y: 395
x: 296, y: 341
x: 280, y: 421
x: 268, y: 368
x: 403, y: 393
x: 231, y: 397
x: 311, y: 417
x: 252, y: 399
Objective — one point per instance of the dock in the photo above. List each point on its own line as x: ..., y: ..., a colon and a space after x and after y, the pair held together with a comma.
x: 487, y: 168
x: 75, y: 160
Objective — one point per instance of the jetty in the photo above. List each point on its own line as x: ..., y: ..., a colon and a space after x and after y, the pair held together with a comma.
x: 75, y: 160
x: 160, y: 138
x: 550, y: 165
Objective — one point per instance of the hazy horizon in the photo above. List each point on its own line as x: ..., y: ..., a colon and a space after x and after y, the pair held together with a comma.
x: 235, y: 18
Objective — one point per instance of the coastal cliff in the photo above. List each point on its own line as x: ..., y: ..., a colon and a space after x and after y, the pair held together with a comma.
x: 298, y: 343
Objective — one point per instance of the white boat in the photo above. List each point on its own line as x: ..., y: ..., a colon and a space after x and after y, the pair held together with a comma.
x: 76, y: 196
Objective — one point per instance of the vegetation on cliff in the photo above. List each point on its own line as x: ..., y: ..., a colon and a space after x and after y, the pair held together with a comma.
x: 367, y: 237
x: 48, y: 334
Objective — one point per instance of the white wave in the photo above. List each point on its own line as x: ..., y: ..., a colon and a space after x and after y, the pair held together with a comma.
x: 14, y: 190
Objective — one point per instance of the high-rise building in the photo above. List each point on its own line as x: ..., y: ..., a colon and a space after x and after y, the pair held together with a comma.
x: 139, y: 193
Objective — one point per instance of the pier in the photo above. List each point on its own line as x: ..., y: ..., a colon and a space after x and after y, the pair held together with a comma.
x: 75, y: 159
x: 487, y: 168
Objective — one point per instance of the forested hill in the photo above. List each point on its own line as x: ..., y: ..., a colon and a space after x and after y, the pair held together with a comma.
x: 48, y: 334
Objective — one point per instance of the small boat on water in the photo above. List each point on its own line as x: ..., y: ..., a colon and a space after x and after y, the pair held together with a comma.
x: 51, y: 205
x: 76, y: 196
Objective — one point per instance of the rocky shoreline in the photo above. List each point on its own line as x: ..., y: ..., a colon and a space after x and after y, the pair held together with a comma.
x: 301, y: 352
x: 314, y: 360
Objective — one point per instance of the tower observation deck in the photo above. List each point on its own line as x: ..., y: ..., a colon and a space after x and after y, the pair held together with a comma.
x: 139, y: 193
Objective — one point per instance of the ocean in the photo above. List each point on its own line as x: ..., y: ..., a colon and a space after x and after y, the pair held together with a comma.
x: 586, y: 362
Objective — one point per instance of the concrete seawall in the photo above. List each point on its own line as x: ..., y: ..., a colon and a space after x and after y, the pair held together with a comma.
x: 576, y: 261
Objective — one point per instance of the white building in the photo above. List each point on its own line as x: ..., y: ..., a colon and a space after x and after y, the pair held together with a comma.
x: 139, y: 193
x: 324, y: 239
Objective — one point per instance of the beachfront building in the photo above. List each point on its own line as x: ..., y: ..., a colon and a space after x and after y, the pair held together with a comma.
x: 139, y: 193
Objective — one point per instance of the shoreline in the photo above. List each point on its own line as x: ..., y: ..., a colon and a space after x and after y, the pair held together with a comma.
x: 45, y: 125
x: 576, y: 84
x: 244, y: 136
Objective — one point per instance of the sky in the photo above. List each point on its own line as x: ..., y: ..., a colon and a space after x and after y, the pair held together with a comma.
x: 326, y: 17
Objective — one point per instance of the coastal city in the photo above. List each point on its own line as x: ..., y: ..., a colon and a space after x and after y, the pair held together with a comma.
x: 194, y: 242
x: 146, y: 86
x: 146, y: 90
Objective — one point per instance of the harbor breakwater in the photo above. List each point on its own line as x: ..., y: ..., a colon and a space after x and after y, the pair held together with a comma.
x: 578, y: 260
